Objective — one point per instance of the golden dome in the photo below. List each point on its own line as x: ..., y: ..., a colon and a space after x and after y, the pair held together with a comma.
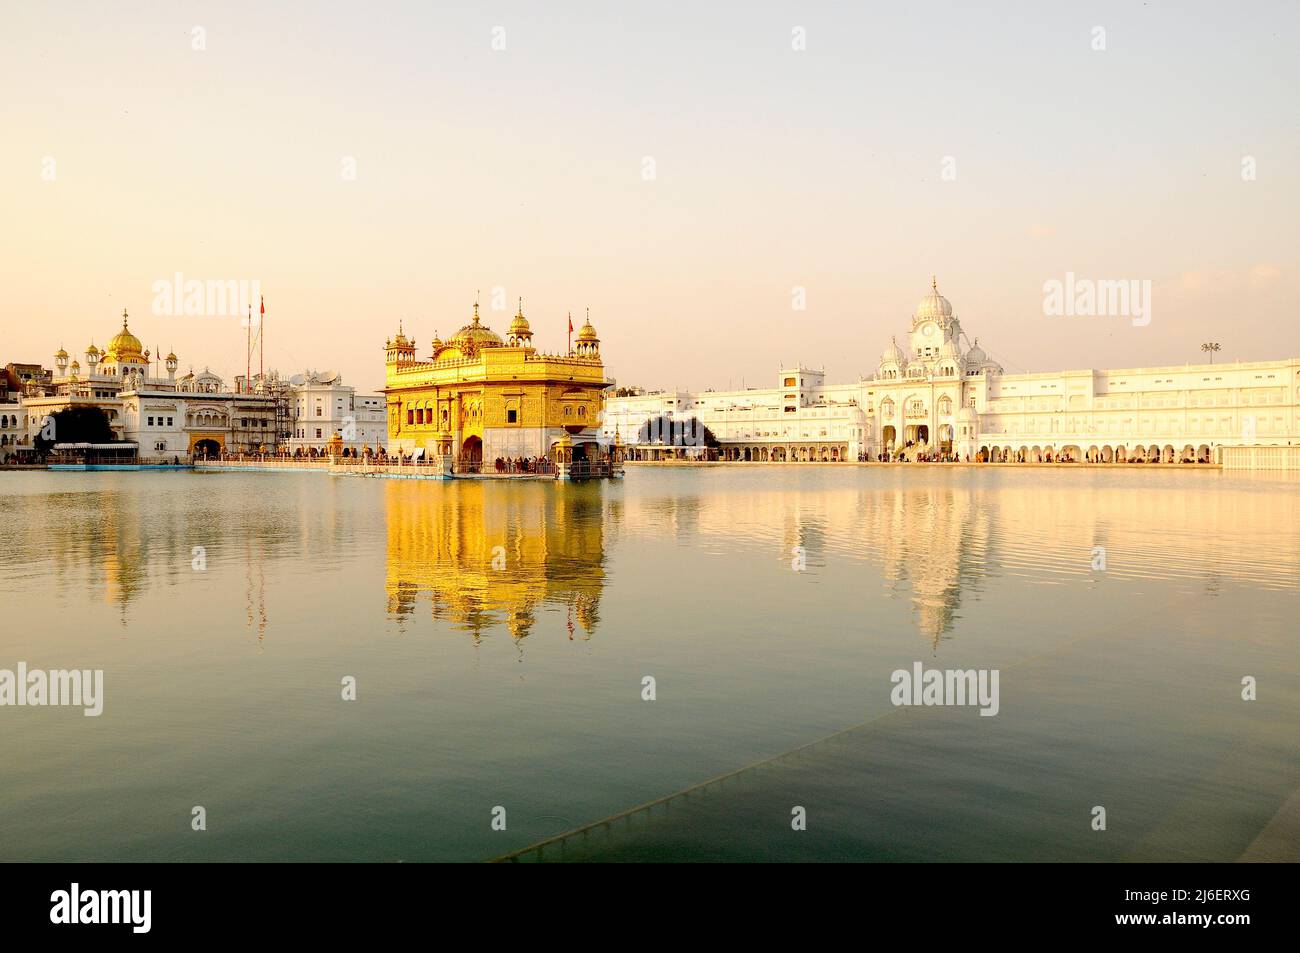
x: 125, y: 344
x: 587, y: 332
x: 474, y: 335
x: 520, y: 324
x: 92, y: 349
x: 61, y: 354
x: 401, y: 340
x: 171, y: 356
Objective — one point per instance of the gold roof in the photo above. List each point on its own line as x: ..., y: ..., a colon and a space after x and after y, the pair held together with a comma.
x: 124, y: 344
x: 474, y: 335
x: 520, y: 323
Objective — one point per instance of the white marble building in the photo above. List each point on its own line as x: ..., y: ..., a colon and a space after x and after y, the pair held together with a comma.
x: 943, y: 396
x: 323, y: 406
x: 168, y: 418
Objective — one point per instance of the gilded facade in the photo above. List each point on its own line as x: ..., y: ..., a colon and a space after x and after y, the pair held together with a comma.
x: 478, y: 397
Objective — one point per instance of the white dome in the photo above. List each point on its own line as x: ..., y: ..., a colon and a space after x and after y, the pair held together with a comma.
x: 976, y: 354
x: 934, y: 305
x: 950, y: 349
x: 893, y: 354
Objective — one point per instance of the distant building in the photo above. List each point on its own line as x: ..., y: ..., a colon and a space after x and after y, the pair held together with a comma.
x: 945, y: 397
x: 323, y: 407
x: 480, y: 398
x: 168, y: 418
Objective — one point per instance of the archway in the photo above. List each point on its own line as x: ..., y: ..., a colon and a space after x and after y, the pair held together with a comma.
x: 207, y: 448
x: 472, y: 450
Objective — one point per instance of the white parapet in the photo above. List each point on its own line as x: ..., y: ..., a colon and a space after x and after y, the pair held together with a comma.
x: 1261, y: 458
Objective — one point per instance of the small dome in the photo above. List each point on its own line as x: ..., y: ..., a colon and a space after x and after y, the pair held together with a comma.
x: 520, y: 324
x: 61, y: 354
x: 893, y: 354
x: 976, y: 354
x: 92, y: 350
x: 934, y: 305
x: 587, y: 333
x: 401, y: 340
x: 949, y: 349
x: 76, y: 366
x: 171, y: 357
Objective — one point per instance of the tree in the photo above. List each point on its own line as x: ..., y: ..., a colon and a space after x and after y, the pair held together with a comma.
x: 74, y: 425
x: 681, y: 433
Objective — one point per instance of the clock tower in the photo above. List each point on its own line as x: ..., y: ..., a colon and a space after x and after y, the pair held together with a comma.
x: 933, y: 325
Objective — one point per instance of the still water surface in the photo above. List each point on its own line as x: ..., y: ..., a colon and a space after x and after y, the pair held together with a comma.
x: 521, y: 686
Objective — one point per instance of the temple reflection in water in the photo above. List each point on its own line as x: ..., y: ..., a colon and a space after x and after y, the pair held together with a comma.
x: 489, y: 554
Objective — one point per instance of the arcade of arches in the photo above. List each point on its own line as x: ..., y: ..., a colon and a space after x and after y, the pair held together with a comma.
x: 1106, y: 453
x: 792, y: 453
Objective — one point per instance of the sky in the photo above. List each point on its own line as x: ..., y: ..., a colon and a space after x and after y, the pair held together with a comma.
x: 690, y: 172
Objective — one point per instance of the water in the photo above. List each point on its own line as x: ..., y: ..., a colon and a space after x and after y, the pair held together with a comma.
x: 521, y: 687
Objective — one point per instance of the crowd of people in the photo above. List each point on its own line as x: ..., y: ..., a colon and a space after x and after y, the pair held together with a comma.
x: 524, y: 465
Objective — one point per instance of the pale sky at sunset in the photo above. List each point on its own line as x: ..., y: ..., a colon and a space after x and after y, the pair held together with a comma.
x: 775, y: 168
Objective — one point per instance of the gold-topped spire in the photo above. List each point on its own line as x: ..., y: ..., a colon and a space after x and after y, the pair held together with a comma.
x: 934, y: 283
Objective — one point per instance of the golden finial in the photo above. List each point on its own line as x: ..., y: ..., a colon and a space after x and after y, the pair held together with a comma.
x: 934, y: 284
x: 476, y: 306
x: 124, y: 317
x: 521, y: 306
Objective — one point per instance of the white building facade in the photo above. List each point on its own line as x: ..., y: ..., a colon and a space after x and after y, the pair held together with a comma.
x: 170, y: 419
x: 323, y: 407
x: 942, y: 397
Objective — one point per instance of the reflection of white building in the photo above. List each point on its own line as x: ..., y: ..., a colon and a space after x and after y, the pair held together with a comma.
x: 323, y: 406
x: 169, y: 419
x: 944, y: 395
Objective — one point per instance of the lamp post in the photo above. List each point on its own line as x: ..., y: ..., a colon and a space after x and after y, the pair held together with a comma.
x: 1210, y: 347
